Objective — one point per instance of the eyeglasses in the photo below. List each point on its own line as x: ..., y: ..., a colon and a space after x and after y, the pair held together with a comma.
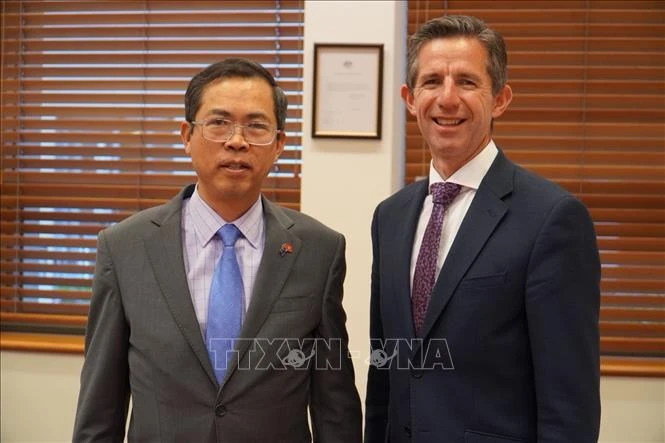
x: 221, y: 130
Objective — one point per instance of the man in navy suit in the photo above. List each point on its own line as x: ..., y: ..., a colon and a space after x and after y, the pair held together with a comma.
x: 503, y: 345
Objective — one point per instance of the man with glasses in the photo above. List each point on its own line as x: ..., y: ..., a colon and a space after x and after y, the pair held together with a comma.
x: 219, y: 313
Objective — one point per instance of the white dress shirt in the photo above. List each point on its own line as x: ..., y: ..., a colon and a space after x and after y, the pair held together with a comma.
x: 469, y: 177
x: 202, y: 249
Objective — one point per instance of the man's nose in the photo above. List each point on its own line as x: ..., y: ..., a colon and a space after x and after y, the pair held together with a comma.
x: 448, y: 96
x: 237, y: 140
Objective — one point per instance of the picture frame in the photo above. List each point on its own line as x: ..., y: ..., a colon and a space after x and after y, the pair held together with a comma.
x: 348, y: 90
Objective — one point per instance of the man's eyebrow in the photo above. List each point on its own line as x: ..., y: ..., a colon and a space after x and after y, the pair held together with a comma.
x: 219, y: 112
x: 469, y: 75
x: 257, y: 116
x: 226, y: 114
x: 428, y: 76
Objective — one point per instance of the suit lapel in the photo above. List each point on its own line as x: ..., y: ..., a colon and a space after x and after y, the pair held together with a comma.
x: 273, y: 271
x: 165, y: 254
x: 403, y: 234
x: 482, y: 218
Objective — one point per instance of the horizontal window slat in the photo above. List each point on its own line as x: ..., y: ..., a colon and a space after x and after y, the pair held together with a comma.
x: 86, y: 178
x: 590, y: 115
x: 37, y: 6
x: 68, y: 320
x: 44, y: 308
x: 650, y: 272
x: 55, y: 281
x: 642, y: 329
x: 634, y: 300
x: 623, y: 201
x: 596, y: 143
x: 69, y: 229
x: 591, y: 86
x: 626, y: 345
x: 172, y: 70
x: 605, y: 228
x: 123, y: 164
x: 45, y: 242
x: 124, y: 151
x: 92, y: 86
x: 34, y: 342
x: 638, y: 186
x: 16, y: 293
x: 543, y: 72
x: 630, y: 366
x: 569, y: 129
x: 163, y: 127
x: 54, y: 215
x: 549, y: 15
x: 625, y: 285
x: 633, y: 243
x: 522, y: 156
x: 508, y: 29
x: 554, y: 171
x: 628, y: 215
x: 632, y: 257
x: 173, y: 44
x: 513, y: 142
x: 8, y: 252
x: 203, y: 57
x: 588, y: 101
x: 59, y: 268
x: 582, y: 43
x: 83, y: 202
x: 201, y: 29
x: 608, y: 313
x: 119, y: 19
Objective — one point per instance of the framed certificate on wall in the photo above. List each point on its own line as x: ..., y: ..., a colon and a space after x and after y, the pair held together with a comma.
x: 348, y: 84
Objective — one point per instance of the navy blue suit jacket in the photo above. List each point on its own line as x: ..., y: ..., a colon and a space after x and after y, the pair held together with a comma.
x: 509, y: 349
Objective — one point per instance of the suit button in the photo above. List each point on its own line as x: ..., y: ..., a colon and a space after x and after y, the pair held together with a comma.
x: 220, y: 410
x: 407, y: 431
x: 415, y: 373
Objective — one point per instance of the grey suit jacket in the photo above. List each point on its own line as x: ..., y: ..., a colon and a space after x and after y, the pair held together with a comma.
x: 143, y: 340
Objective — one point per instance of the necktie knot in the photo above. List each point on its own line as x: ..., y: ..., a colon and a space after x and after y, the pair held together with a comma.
x: 444, y: 193
x: 229, y: 234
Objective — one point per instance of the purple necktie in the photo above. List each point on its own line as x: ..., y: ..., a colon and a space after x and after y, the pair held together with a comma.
x: 424, y: 275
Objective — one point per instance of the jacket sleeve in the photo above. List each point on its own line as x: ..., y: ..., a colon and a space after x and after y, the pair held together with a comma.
x: 334, y: 402
x: 562, y: 294
x: 104, y: 394
x: 378, y: 386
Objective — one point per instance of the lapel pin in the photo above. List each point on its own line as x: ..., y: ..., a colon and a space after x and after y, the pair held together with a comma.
x: 286, y: 248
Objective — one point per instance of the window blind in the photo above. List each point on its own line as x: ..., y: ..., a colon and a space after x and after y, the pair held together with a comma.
x: 588, y: 112
x: 92, y: 99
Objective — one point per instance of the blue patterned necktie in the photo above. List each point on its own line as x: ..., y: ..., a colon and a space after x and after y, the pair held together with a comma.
x: 225, y: 304
x: 424, y: 275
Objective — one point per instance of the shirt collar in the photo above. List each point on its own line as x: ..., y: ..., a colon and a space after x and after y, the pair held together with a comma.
x: 207, y: 222
x: 472, y: 173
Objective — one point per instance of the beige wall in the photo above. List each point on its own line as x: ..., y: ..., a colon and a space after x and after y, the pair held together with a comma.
x: 39, y: 399
x: 343, y: 180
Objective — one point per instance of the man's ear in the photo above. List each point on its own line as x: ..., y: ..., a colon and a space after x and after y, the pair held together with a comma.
x: 185, y: 134
x: 501, y: 101
x: 279, y: 144
x: 407, y: 96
